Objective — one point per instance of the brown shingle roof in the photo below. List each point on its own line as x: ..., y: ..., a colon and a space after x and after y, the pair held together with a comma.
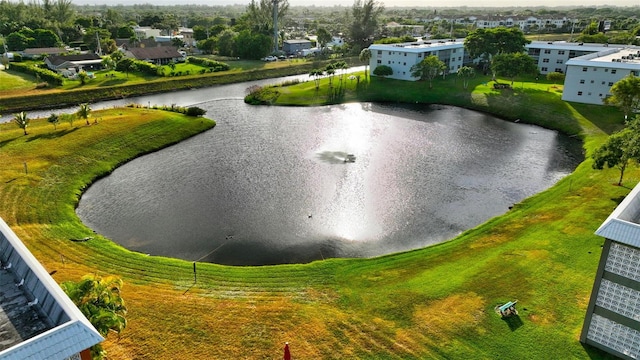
x: 155, y: 53
x: 58, y: 60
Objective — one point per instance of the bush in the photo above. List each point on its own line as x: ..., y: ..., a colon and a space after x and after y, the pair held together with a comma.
x: 195, y: 111
x: 213, y: 65
x: 147, y: 68
x: 258, y: 95
x: 44, y: 74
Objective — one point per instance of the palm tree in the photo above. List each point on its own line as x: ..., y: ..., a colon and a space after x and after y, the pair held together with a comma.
x: 84, y: 111
x: 54, y: 119
x: 21, y: 120
x: 365, y: 56
x: 465, y: 73
x: 316, y: 73
x: 100, y: 301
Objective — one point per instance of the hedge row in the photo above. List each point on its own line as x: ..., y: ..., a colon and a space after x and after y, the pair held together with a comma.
x: 146, y: 67
x: 44, y: 74
x: 212, y: 64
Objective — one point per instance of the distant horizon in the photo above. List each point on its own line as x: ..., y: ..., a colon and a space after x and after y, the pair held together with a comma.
x: 389, y: 3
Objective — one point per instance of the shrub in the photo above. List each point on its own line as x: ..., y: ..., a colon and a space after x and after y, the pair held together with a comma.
x: 213, y: 65
x: 258, y: 95
x: 195, y: 111
x: 44, y: 74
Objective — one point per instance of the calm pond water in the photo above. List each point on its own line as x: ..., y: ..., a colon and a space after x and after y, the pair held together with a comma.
x: 269, y: 185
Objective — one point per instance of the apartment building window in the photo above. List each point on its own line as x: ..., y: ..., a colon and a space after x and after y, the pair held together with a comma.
x: 560, y: 52
x: 610, y: 83
x: 613, y: 71
x: 592, y: 81
x: 454, y: 50
x: 547, y: 51
x: 379, y: 52
x: 389, y: 62
x: 582, y: 81
x: 606, y: 70
x: 584, y: 69
x: 558, y: 70
x: 405, y: 54
x: 579, y: 93
x: 545, y: 60
x: 559, y: 61
x: 379, y: 61
x: 543, y: 69
x: 405, y: 64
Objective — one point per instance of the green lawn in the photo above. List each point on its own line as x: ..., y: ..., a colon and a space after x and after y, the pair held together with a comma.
x: 11, y: 81
x: 436, y: 302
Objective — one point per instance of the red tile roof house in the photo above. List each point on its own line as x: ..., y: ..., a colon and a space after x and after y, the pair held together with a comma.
x: 37, y: 319
x: 157, y: 55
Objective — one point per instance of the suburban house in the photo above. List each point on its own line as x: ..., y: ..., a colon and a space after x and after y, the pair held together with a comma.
x: 612, y: 322
x: 168, y: 39
x: 124, y: 44
x: 295, y: 47
x: 401, y: 57
x: 77, y: 62
x: 589, y: 78
x: 187, y: 36
x: 158, y: 55
x: 38, y: 319
x: 36, y: 53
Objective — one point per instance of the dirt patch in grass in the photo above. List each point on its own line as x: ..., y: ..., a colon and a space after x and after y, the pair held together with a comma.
x: 451, y: 314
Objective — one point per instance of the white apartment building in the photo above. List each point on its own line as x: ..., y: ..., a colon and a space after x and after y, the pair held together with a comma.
x: 612, y: 322
x: 553, y: 56
x: 145, y: 32
x: 401, y: 57
x: 589, y: 78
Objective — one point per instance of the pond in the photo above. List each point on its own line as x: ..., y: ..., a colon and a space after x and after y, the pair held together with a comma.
x: 270, y: 185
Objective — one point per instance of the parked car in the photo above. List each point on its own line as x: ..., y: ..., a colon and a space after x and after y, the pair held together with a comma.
x: 270, y: 58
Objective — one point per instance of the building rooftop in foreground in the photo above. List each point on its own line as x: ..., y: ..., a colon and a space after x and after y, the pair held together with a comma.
x: 623, y: 225
x: 612, y: 321
x: 37, y: 319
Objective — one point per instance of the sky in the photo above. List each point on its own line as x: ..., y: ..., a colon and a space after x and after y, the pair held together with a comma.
x: 387, y: 3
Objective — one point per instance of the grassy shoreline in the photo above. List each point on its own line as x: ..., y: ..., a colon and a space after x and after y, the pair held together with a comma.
x: 59, y: 97
x: 429, y: 303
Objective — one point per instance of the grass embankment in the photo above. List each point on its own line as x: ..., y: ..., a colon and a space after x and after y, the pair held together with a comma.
x: 436, y: 302
x: 13, y: 99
